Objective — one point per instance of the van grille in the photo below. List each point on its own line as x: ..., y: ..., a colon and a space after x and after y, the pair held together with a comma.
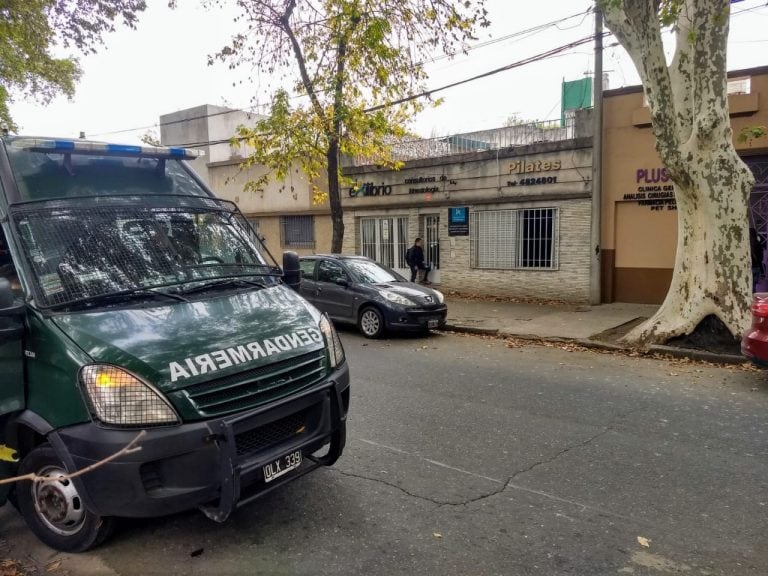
x: 272, y: 434
x: 258, y: 386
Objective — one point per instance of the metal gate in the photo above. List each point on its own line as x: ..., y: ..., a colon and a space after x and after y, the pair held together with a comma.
x: 386, y: 240
x: 758, y: 210
x: 431, y: 226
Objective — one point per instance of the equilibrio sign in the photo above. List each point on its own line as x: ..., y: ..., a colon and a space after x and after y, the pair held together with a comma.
x: 370, y: 189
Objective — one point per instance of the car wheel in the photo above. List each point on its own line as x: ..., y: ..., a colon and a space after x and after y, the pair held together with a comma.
x: 371, y: 322
x: 54, y: 510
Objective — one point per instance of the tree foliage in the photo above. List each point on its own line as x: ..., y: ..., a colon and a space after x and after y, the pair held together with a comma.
x: 31, y: 31
x: 348, y: 60
x: 688, y: 101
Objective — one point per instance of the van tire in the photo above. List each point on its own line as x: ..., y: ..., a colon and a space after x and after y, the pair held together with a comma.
x: 370, y: 322
x: 83, y: 529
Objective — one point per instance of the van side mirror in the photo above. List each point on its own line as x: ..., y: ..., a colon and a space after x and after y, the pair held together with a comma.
x: 291, y: 270
x: 11, y: 313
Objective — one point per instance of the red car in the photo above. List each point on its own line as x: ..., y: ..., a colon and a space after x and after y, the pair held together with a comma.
x: 754, y: 343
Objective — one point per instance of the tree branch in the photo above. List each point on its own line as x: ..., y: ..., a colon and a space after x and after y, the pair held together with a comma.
x: 300, y: 60
x: 130, y: 448
x: 681, y: 71
x: 710, y: 84
x: 636, y: 25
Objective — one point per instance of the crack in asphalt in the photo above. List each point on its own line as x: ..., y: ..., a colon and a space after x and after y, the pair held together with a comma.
x: 505, y: 484
x: 562, y: 452
x: 390, y: 484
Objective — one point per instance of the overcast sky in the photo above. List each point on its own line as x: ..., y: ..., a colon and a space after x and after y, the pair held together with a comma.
x: 161, y: 67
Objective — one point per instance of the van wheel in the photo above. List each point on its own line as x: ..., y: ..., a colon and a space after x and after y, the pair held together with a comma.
x: 54, y: 510
x: 371, y: 322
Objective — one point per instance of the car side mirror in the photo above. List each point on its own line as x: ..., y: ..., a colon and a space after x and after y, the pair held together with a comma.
x: 341, y: 281
x: 11, y: 314
x: 291, y: 270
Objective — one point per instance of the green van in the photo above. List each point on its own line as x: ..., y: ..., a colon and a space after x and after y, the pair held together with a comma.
x: 132, y: 299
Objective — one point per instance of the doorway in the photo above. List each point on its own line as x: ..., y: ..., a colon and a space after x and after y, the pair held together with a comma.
x: 430, y: 224
x: 385, y: 240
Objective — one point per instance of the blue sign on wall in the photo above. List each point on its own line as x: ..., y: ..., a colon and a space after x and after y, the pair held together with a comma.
x: 458, y: 221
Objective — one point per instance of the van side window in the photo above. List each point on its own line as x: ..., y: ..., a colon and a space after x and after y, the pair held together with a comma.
x: 7, y: 269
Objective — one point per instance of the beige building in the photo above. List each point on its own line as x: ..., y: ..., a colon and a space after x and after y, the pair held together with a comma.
x: 503, y: 212
x: 639, y: 217
x: 283, y: 213
x: 509, y: 218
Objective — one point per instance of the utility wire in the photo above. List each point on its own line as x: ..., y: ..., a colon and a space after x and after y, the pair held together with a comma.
x: 252, y: 109
x: 532, y: 59
x: 552, y: 53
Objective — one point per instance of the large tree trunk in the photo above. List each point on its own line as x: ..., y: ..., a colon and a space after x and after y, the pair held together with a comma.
x: 712, y: 274
x: 688, y: 100
x: 334, y: 196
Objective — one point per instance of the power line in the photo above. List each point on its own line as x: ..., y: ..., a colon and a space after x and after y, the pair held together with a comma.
x: 252, y: 109
x: 552, y: 53
x: 532, y: 30
x: 530, y: 60
x: 542, y: 56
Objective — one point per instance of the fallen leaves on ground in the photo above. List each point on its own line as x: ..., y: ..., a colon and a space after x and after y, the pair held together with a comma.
x: 643, y: 541
x: 10, y: 567
x: 486, y: 298
x: 516, y: 342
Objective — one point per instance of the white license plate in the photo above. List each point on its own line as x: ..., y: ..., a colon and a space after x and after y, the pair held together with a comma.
x: 432, y: 323
x: 282, y: 466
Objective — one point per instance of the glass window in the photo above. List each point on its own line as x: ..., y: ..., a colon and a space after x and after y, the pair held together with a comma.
x: 41, y: 175
x: 369, y: 272
x: 82, y: 251
x: 385, y: 240
x: 329, y: 271
x: 297, y: 231
x: 515, y: 239
x: 307, y: 268
x: 7, y: 269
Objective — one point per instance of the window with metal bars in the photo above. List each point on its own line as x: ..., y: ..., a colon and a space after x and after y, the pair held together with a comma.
x: 515, y: 239
x: 297, y: 231
x: 254, y: 222
x: 385, y: 240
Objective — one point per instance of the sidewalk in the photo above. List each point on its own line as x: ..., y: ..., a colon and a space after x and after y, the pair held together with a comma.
x: 584, y: 325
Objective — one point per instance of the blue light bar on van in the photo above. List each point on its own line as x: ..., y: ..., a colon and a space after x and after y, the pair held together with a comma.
x: 52, y: 145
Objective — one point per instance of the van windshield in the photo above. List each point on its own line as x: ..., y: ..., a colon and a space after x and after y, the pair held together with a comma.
x: 83, y: 251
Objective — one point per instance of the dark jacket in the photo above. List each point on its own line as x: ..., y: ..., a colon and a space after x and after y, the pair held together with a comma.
x: 416, y: 256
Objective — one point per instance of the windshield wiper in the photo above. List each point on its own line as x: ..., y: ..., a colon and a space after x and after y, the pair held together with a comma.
x: 224, y: 282
x: 122, y: 296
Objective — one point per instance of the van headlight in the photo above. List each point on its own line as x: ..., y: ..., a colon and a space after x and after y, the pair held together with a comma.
x: 335, y: 349
x: 119, y: 398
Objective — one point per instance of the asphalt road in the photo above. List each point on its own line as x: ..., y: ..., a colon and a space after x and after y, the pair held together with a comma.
x: 466, y: 457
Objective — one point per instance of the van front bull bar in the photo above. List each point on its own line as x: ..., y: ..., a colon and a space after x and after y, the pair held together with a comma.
x: 231, y: 469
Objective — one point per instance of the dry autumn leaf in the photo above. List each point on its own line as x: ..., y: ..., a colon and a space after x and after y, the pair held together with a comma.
x: 644, y: 542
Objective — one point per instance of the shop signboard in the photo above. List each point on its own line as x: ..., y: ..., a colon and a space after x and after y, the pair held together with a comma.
x: 458, y: 221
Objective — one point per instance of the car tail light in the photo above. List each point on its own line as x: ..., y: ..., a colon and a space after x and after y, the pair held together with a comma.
x: 760, y: 305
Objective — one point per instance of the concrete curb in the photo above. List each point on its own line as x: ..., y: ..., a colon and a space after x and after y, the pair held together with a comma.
x: 470, y: 329
x: 701, y: 355
x: 607, y: 346
x: 671, y: 351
